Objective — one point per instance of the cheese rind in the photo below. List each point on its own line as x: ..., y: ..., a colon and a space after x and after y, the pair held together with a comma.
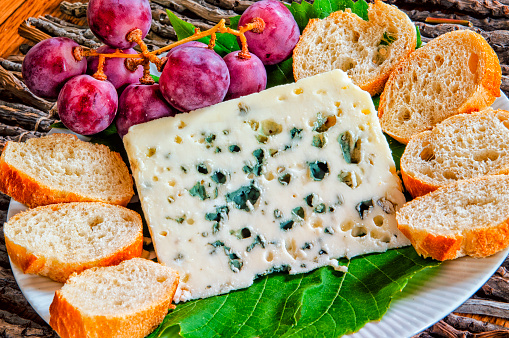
x: 291, y: 178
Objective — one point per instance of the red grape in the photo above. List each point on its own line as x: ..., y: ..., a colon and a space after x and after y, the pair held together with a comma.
x: 247, y: 76
x: 189, y: 44
x: 140, y: 103
x: 280, y: 35
x: 112, y: 20
x: 194, y: 77
x: 86, y: 105
x: 115, y: 68
x: 49, y: 64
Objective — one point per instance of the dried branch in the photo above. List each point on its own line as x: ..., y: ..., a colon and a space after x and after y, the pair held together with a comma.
x: 235, y: 5
x: 501, y: 271
x: 207, y: 11
x: 62, y: 22
x: 491, y: 8
x: 485, y: 307
x: 470, y: 324
x: 24, y: 116
x: 9, y: 65
x: 163, y: 30
x: 18, y: 133
x: 77, y: 9
x: 159, y: 15
x: 31, y: 33
x: 504, y: 86
x: 488, y: 24
x: 173, y: 5
x: 84, y: 37
x: 16, y: 58
x: 496, y: 287
x: 443, y: 329
x: 10, y: 83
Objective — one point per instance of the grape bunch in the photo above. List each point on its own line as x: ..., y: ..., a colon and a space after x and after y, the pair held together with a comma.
x: 114, y: 86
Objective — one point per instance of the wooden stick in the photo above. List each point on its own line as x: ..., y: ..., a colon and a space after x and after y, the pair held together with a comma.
x: 208, y: 12
x: 491, y: 8
x: 25, y: 116
x: 471, y: 324
x: 497, y: 287
x: 485, y: 307
x: 81, y: 36
x: 19, y: 134
x: 77, y: 9
x: 488, y: 23
x: 32, y: 33
x: 9, y: 65
x: 10, y: 83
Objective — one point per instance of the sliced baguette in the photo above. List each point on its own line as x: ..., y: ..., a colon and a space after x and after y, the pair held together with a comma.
x: 458, y: 72
x: 461, y: 147
x: 469, y: 217
x: 363, y: 49
x: 126, y: 300
x: 60, y: 168
x: 60, y: 239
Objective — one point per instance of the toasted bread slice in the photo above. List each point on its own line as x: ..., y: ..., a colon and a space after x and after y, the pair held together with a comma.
x: 128, y: 300
x: 469, y: 217
x: 456, y: 73
x: 60, y: 239
x: 367, y: 50
x: 60, y: 168
x: 461, y: 147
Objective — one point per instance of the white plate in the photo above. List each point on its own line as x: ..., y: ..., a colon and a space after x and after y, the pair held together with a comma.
x: 427, y: 298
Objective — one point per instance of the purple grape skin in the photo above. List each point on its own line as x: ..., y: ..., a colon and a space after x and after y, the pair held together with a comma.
x: 49, y: 64
x: 115, y: 69
x: 140, y: 103
x: 189, y: 44
x: 280, y: 35
x: 112, y: 20
x: 193, y: 78
x: 86, y: 105
x: 247, y: 76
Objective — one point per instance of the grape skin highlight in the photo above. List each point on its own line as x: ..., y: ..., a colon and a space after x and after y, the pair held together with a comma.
x: 280, y: 35
x: 140, y: 103
x: 49, y: 64
x: 194, y: 77
x: 247, y: 76
x: 86, y: 105
x: 112, y: 20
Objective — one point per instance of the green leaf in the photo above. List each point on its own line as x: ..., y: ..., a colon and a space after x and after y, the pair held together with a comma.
x: 156, y: 78
x: 225, y: 43
x: 280, y: 74
x: 324, y: 302
x: 419, y: 40
x: 323, y: 8
x: 234, y: 22
x: 58, y: 124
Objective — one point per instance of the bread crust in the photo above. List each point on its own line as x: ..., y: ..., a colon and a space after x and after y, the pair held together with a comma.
x: 487, y: 89
x: 69, y: 322
x: 57, y: 270
x: 480, y: 242
x: 29, y: 191
x: 375, y: 84
x: 411, y: 174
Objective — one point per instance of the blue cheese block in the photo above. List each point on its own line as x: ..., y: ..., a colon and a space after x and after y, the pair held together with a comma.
x: 291, y: 179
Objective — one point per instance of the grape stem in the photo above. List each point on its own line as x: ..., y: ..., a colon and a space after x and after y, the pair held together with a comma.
x: 257, y: 25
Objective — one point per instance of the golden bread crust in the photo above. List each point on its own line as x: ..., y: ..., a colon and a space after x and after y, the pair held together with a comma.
x: 487, y: 88
x: 27, y: 190
x: 57, y: 270
x: 373, y: 85
x: 474, y: 242
x: 69, y: 322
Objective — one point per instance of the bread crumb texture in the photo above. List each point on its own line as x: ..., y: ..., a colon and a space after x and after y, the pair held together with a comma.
x: 59, y: 239
x: 61, y: 168
x: 458, y: 72
x: 127, y: 300
x: 366, y: 50
x: 470, y: 217
x: 461, y: 147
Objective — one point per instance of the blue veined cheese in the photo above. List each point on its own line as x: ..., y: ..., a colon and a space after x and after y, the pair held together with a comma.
x: 291, y: 178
